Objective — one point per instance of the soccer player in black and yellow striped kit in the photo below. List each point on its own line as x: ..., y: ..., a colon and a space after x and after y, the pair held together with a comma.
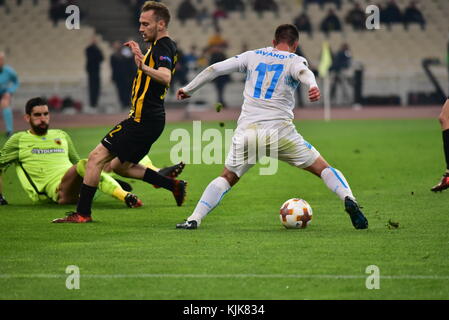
x: 128, y: 142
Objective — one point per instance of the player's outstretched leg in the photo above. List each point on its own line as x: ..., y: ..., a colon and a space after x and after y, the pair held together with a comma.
x: 444, y: 121
x: 336, y: 182
x: 211, y: 197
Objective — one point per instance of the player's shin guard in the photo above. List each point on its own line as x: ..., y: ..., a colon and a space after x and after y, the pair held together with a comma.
x: 9, y: 121
x: 211, y: 197
x: 336, y: 181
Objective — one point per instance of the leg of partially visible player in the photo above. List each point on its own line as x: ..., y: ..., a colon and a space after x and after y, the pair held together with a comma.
x: 444, y: 121
x: 110, y: 186
x: 337, y: 183
x: 210, y: 199
x: 5, y: 104
x: 97, y: 159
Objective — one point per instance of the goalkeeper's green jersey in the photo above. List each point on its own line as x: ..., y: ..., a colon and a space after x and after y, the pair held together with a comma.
x: 41, y: 161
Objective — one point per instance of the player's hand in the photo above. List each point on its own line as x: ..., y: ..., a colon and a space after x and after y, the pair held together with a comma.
x: 3, y: 201
x: 135, y: 49
x: 181, y: 95
x: 314, y: 94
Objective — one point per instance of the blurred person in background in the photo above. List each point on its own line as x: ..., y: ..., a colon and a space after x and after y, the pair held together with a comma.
x: 356, y: 17
x: 302, y: 22
x: 94, y: 58
x: 340, y: 62
x: 330, y: 23
x: 9, y: 83
x: 186, y: 11
x: 260, y: 6
x: 217, y: 54
x: 444, y: 122
x: 119, y: 67
x: 191, y: 58
x: 391, y: 14
x: 413, y: 15
x: 182, y: 70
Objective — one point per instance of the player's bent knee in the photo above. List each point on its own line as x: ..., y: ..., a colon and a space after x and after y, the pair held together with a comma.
x: 230, y: 176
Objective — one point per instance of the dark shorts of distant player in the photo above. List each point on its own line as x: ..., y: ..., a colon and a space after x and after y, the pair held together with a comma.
x: 131, y: 141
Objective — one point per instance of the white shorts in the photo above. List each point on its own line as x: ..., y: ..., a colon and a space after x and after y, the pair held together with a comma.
x: 276, y: 139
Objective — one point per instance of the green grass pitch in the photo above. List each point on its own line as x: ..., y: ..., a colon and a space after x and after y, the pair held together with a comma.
x: 241, y: 250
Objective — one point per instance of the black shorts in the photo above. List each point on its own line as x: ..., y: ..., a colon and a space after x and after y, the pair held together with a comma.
x: 131, y: 141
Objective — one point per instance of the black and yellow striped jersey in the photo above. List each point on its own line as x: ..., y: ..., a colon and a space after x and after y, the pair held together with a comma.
x: 147, y: 99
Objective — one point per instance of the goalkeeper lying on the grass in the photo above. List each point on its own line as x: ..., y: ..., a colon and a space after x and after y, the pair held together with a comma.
x: 48, y: 165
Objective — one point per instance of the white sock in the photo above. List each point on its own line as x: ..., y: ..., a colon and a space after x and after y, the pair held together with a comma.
x: 335, y: 180
x: 210, y: 199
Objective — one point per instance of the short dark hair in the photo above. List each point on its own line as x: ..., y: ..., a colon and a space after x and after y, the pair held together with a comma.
x: 287, y: 33
x: 160, y: 11
x: 34, y: 102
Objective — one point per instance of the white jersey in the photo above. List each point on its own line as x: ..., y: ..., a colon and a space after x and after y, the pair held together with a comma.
x: 272, y: 77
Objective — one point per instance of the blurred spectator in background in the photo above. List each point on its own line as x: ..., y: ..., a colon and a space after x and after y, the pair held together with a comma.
x: 186, y: 11
x: 356, y: 17
x: 94, y: 58
x: 57, y: 11
x: 392, y: 14
x: 191, y: 58
x: 9, y: 83
x: 265, y: 5
x: 202, y: 17
x: 181, y: 70
x: 217, y: 54
x: 341, y: 61
x: 413, y: 15
x: 302, y: 22
x: 219, y: 13
x: 217, y: 39
x: 119, y: 67
x: 330, y: 23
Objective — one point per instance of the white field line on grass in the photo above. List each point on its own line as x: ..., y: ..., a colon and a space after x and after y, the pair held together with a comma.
x: 223, y: 276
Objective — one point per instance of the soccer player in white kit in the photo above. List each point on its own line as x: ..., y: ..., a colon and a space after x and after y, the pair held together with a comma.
x: 272, y: 76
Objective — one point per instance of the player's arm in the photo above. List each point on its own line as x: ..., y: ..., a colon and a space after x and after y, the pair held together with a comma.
x: 162, y: 74
x: 14, y: 80
x: 210, y: 73
x: 302, y: 73
x: 73, y: 153
x: 8, y: 155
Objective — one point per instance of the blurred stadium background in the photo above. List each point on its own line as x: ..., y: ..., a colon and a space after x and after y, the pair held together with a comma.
x: 386, y: 65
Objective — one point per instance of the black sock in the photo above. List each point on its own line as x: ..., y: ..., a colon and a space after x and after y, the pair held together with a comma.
x: 87, y: 194
x: 157, y: 179
x: 446, y: 146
